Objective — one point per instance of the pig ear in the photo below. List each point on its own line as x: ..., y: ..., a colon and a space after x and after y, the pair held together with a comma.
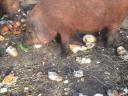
x: 45, y: 29
x: 32, y: 25
x: 46, y: 33
x: 41, y: 31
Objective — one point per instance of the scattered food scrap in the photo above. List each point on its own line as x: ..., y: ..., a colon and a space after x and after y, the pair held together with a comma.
x: 122, y: 52
x: 76, y: 48
x: 83, y: 60
x: 12, y: 51
x: 54, y: 76
x: 78, y: 73
x: 9, y: 79
x: 89, y: 41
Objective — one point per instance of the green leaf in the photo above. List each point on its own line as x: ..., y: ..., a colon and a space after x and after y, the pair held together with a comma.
x: 23, y: 48
x: 2, y: 52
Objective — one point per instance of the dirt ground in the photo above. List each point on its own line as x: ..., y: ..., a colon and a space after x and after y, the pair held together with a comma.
x: 106, y: 71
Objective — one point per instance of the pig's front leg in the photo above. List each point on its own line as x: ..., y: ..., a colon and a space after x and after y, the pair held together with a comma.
x: 112, y: 35
x: 64, y: 44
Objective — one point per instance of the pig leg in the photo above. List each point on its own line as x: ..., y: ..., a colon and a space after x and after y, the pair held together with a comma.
x: 78, y: 38
x: 112, y: 36
x: 64, y: 45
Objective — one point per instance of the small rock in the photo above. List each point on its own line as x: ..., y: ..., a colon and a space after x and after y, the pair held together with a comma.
x: 29, y: 95
x: 98, y: 94
x: 59, y: 78
x: 107, y: 73
x: 83, y: 60
x: 82, y: 79
x: 1, y: 85
x: 98, y: 62
x: 65, y: 93
x: 40, y: 95
x: 12, y: 51
x: 78, y: 73
x: 54, y: 76
x: 83, y: 48
x: 66, y: 89
x: 76, y: 48
x: 2, y: 38
x: 81, y: 94
x: 23, y: 20
x: 38, y: 46
x: 89, y: 38
x: 66, y: 81
x: 88, y: 60
x: 90, y: 45
x: 113, y: 93
x: 39, y: 75
x: 23, y: 13
x: 122, y: 52
x: 3, y: 90
x: 26, y: 89
x: 126, y: 90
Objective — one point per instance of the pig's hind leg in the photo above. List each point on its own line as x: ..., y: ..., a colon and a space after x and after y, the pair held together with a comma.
x: 112, y: 36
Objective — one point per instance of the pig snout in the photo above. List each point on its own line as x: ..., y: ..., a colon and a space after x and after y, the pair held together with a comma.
x: 29, y: 40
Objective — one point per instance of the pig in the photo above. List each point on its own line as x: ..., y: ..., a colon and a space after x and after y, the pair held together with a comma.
x: 9, y: 6
x: 63, y: 18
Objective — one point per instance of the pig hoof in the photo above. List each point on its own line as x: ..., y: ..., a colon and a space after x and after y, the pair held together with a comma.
x: 64, y: 51
x: 63, y: 55
x: 112, y: 39
x: 111, y: 44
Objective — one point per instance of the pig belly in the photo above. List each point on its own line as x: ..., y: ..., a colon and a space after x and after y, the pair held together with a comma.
x: 91, y: 25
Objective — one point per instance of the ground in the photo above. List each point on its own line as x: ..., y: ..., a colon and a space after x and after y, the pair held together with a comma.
x: 106, y: 71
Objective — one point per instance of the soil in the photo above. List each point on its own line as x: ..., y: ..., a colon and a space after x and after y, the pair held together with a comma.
x: 106, y: 71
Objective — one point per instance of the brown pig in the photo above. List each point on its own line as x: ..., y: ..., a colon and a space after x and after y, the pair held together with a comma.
x: 9, y: 6
x: 50, y: 18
